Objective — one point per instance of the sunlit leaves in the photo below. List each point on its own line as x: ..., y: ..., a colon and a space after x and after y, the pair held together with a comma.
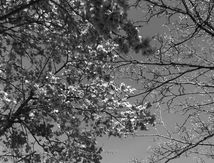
x: 57, y: 75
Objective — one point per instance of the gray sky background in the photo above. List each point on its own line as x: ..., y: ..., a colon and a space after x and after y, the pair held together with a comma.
x: 123, y: 150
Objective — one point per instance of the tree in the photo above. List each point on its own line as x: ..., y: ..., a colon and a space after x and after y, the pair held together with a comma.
x: 57, y: 77
x: 178, y: 78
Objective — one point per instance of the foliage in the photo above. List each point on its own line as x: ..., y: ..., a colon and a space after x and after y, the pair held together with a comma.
x: 57, y: 78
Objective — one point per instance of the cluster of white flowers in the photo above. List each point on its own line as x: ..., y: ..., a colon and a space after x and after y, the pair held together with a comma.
x: 6, y: 98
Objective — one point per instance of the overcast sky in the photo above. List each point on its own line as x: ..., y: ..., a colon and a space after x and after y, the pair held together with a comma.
x: 123, y: 150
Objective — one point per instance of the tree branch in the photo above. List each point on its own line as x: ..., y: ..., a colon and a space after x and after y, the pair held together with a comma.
x: 24, y: 6
x: 10, y: 120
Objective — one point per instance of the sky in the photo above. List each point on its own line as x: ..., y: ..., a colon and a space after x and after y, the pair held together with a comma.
x: 124, y: 150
